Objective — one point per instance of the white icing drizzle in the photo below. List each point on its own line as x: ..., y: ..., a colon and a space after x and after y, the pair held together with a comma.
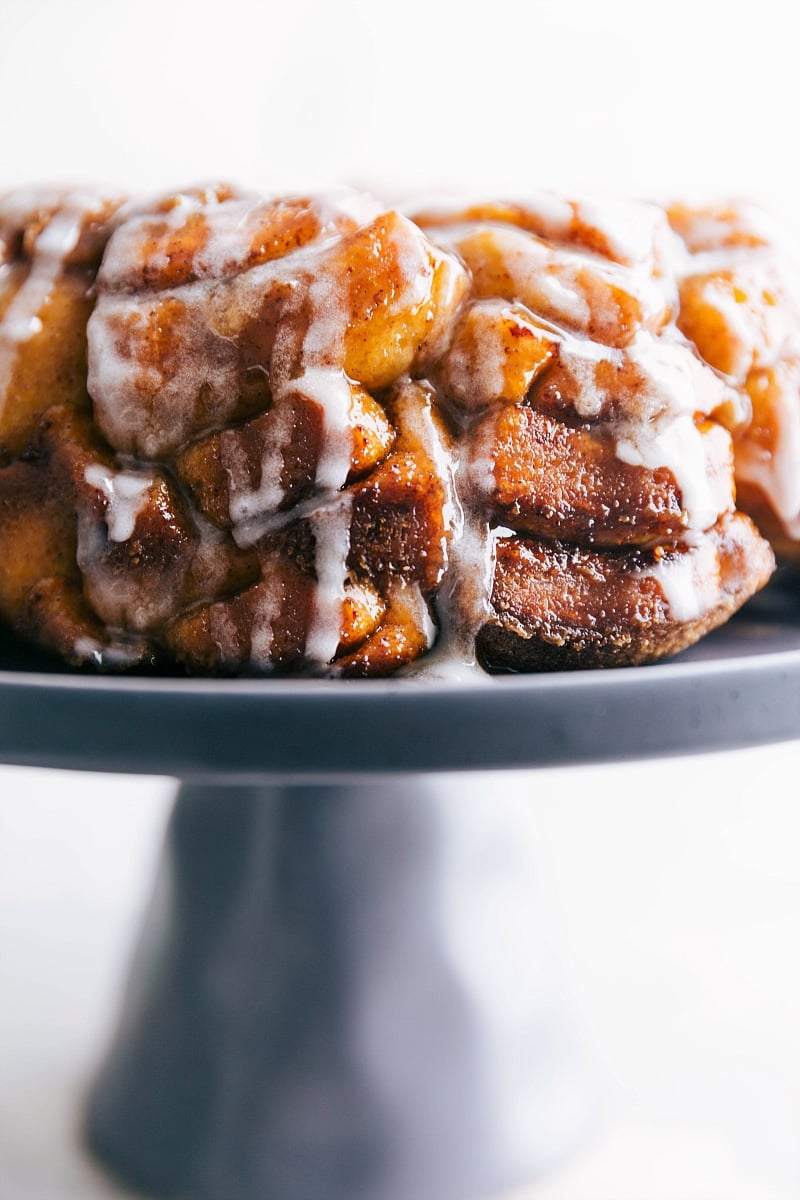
x: 335, y: 202
x: 478, y: 466
x: 688, y: 581
x: 560, y: 291
x: 485, y: 378
x: 464, y: 599
x: 468, y: 603
x: 555, y: 282
x: 320, y: 379
x: 225, y: 633
x: 677, y: 445
x: 417, y: 607
x: 463, y: 604
x: 581, y: 357
x: 775, y: 470
x: 126, y: 493
x: 667, y: 436
x: 330, y: 389
x: 631, y: 230
x: 655, y: 426
x: 414, y: 410
x: 326, y: 387
x: 246, y: 504
x: 117, y: 654
x: 757, y: 295
x: 262, y: 636
x: 208, y: 360
x: 232, y: 226
x: 331, y: 527
x: 22, y: 320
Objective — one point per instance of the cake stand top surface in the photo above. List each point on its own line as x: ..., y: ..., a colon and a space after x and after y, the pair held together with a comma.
x: 738, y: 687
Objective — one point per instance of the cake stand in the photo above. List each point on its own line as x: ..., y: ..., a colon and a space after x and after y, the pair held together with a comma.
x: 342, y: 988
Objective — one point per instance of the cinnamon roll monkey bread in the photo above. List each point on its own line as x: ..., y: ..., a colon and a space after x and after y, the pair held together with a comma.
x: 244, y: 434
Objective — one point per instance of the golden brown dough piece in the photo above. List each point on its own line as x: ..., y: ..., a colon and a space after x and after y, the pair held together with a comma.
x: 740, y: 307
x: 50, y: 247
x: 308, y: 434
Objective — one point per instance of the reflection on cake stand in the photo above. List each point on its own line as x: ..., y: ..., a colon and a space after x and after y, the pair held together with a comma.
x: 342, y: 988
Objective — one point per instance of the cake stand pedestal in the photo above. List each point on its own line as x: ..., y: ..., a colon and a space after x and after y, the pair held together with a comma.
x: 342, y: 988
x: 341, y: 991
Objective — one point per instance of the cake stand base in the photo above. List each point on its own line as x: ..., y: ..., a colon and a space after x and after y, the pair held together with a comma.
x: 341, y: 992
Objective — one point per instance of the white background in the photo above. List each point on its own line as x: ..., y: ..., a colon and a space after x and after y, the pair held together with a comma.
x: 674, y: 886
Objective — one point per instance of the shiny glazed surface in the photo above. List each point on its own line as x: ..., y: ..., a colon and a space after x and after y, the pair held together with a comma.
x: 249, y: 435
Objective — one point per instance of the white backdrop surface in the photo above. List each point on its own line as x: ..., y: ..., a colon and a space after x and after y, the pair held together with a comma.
x: 675, y: 886
x: 619, y: 96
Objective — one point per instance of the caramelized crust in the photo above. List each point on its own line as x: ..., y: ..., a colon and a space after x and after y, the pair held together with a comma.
x: 560, y: 607
x: 557, y: 480
x: 225, y: 469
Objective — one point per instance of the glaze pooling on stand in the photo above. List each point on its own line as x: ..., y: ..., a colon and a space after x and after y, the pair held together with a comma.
x: 317, y: 435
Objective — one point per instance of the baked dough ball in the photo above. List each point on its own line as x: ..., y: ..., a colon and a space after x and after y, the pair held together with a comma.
x: 740, y: 307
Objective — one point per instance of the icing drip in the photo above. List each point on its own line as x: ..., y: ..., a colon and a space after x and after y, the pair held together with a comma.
x: 463, y: 604
x: 117, y: 654
x: 741, y: 305
x: 331, y: 527
x: 248, y: 504
x: 262, y: 635
x: 227, y: 635
x: 562, y: 285
x: 676, y: 443
x: 414, y: 410
x: 224, y: 632
x: 464, y: 601
x: 655, y: 426
x: 126, y: 493
x: 417, y: 607
x: 331, y: 391
x: 688, y: 581
x: 22, y: 319
x: 773, y: 468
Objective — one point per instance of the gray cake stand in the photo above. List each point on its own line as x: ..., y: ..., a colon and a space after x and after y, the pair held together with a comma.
x: 342, y: 989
